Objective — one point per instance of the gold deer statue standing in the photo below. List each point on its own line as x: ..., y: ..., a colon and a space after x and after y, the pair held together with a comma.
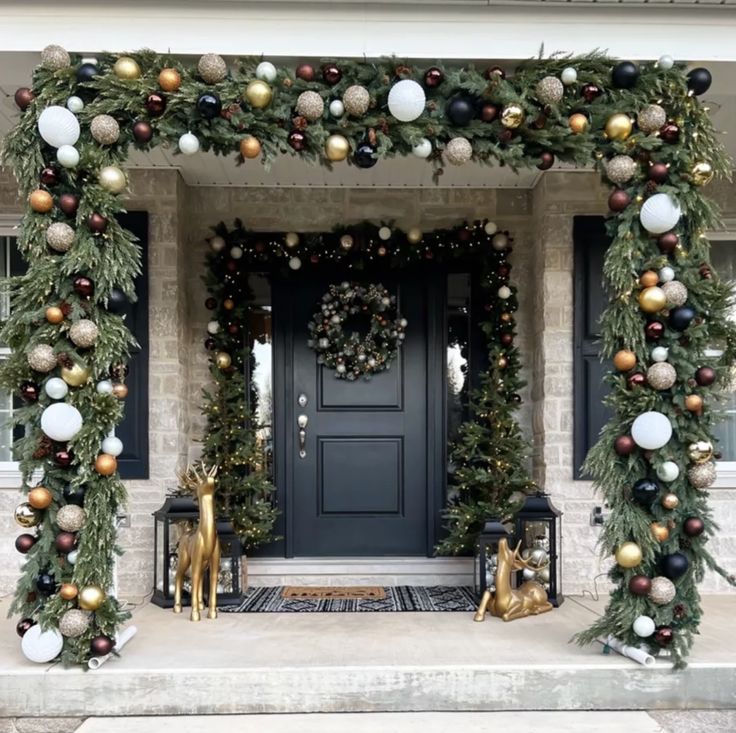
x: 529, y: 599
x: 199, y: 547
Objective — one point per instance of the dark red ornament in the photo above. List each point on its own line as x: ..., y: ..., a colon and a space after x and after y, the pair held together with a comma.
x: 97, y: 223
x: 489, y: 112
x: 705, y: 376
x: 667, y: 242
x: 155, y: 104
x: 506, y: 136
x: 705, y: 272
x: 654, y: 330
x: 693, y: 526
x: 618, y: 200
x: 142, y: 131
x: 503, y: 270
x: 29, y: 391
x: 314, y: 259
x: 23, y: 97
x: 23, y: 625
x: 233, y: 329
x: 231, y: 265
x: 495, y: 72
x: 49, y: 175
x: 624, y: 445
x: 670, y: 133
x: 210, y: 304
x: 209, y: 344
x: 24, y: 542
x: 546, y: 161
x: 101, y: 645
x: 591, y: 92
x: 636, y: 380
x: 507, y: 339
x: 83, y: 286
x: 679, y: 612
x: 63, y: 458
x: 433, y: 77
x: 305, y: 72
x: 331, y: 74
x: 69, y: 204
x: 640, y: 585
x: 664, y: 635
x: 297, y: 140
x: 658, y: 172
x: 65, y: 542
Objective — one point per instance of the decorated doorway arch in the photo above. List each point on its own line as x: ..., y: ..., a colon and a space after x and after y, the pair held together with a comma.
x: 641, y: 126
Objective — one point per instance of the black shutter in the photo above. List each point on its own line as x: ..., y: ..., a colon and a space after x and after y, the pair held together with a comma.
x: 590, y: 244
x: 133, y: 431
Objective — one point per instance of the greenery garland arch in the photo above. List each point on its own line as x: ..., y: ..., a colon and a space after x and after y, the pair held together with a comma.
x: 571, y: 109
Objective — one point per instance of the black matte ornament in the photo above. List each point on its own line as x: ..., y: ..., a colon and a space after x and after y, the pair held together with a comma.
x: 460, y: 111
x: 74, y: 494
x: 209, y: 105
x: 681, y: 317
x: 86, y: 72
x: 625, y: 75
x: 364, y: 156
x: 117, y: 301
x: 699, y: 80
x: 46, y: 583
x: 674, y: 566
x: 645, y: 491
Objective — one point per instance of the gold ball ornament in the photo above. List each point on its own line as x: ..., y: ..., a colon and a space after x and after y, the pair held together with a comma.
x: 228, y: 304
x: 414, y: 235
x: 120, y: 390
x: 105, y: 464
x: 126, y: 68
x: 41, y: 201
x: 91, y: 597
x: 670, y: 501
x: 54, y: 315
x: 700, y: 452
x: 624, y: 360
x: 578, y: 123
x: 258, y: 94
x: 619, y: 127
x: 250, y: 147
x: 648, y: 279
x: 659, y: 532
x: 105, y: 129
x: 169, y: 79
x: 702, y: 174
x: 26, y: 516
x: 223, y: 360
x: 112, y: 179
x: 337, y: 148
x: 68, y: 591
x: 75, y: 375
x: 212, y: 68
x: 652, y: 300
x: 512, y: 116
x: 42, y: 358
x: 40, y: 497
x: 694, y: 403
x: 628, y: 555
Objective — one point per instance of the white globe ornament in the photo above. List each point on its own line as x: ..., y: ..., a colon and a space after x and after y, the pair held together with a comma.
x: 112, y: 445
x: 61, y: 421
x: 58, y: 126
x: 490, y: 228
x: 217, y: 243
x: 72, y: 556
x: 236, y: 252
x: 660, y: 353
x: 659, y: 213
x: 666, y: 62
x: 337, y: 108
x: 504, y: 292
x: 41, y: 646
x: 666, y: 274
x: 213, y: 327
x: 415, y: 235
x: 569, y: 76
x: 422, y: 149
x: 500, y: 242
x: 643, y: 626
x: 266, y: 71
x: 295, y: 263
x: 651, y: 430
x: 291, y: 239
x: 668, y: 471
x: 406, y: 100
x: 188, y: 144
x: 104, y: 387
x: 74, y: 104
x: 384, y: 233
x: 67, y: 156
x: 56, y: 388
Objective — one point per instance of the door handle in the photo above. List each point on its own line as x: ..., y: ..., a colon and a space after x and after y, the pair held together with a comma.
x: 301, y: 422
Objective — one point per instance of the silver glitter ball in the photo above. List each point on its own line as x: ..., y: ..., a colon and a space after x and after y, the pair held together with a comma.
x: 74, y: 623
x: 41, y: 358
x: 661, y: 375
x: 550, y: 90
x: 84, y: 333
x: 651, y: 118
x: 310, y: 105
x: 662, y: 591
x: 702, y: 475
x: 70, y: 518
x: 60, y: 236
x: 55, y: 57
x: 356, y: 100
x: 212, y: 68
x: 675, y: 292
x: 621, y: 169
x: 105, y: 129
x: 458, y: 151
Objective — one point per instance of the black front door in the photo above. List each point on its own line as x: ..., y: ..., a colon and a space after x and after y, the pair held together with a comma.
x: 361, y: 485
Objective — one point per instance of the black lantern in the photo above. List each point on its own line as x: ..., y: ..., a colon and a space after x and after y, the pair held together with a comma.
x: 537, y: 526
x: 486, y: 556
x: 177, y: 509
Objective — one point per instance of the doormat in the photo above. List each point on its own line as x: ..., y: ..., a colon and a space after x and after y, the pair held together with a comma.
x: 396, y: 599
x: 343, y: 592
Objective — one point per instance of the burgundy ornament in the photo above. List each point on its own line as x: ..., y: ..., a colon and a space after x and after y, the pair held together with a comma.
x: 97, y: 223
x: 331, y: 74
x: 210, y: 304
x: 489, y: 112
x: 69, y: 204
x: 667, y: 242
x: 209, y: 344
x: 231, y: 265
x: 495, y: 72
x: 503, y: 270
x: 693, y: 526
x: 654, y: 331
x: 670, y: 133
x: 664, y: 635
x: 640, y: 585
x: 23, y: 625
x: 314, y: 259
x: 29, y: 391
x: 433, y: 77
x: 101, y: 645
x: 142, y: 131
x: 155, y: 104
x: 49, y: 175
x: 591, y: 92
x: 83, y: 286
x: 705, y: 376
x: 618, y: 200
x: 23, y: 97
x: 305, y: 72
x: 24, y: 542
x: 705, y: 272
x: 546, y: 161
x: 64, y: 542
x: 507, y: 339
x: 63, y: 458
x: 624, y: 445
x: 506, y: 136
x: 636, y: 380
x: 658, y: 172
x: 297, y: 140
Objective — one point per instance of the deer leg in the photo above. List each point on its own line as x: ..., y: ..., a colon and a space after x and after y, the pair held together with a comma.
x: 480, y: 613
x: 214, y: 576
x: 196, y: 581
x: 181, y: 568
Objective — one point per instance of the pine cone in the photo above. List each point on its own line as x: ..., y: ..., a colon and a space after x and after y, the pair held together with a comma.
x: 64, y: 360
x: 45, y: 446
x: 288, y: 83
x: 299, y: 123
x: 402, y: 70
x: 230, y: 110
x: 383, y: 126
x: 651, y: 187
x: 371, y: 134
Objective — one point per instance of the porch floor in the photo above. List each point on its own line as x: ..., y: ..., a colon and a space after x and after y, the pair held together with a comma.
x: 248, y: 663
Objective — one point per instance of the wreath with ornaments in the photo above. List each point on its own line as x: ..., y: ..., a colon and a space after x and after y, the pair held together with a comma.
x: 350, y: 353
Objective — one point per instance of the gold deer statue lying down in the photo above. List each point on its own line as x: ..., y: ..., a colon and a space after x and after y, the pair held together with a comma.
x: 199, y: 547
x: 509, y: 603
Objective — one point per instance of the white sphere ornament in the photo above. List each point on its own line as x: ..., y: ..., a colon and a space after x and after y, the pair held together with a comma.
x: 337, y: 108
x: 67, y: 156
x: 217, y: 243
x: 644, y: 626
x: 659, y: 213
x: 666, y: 62
x: 112, y: 179
x: 651, y: 430
x: 56, y: 388
x: 41, y: 646
x: 236, y: 252
x: 112, y: 445
x: 406, y: 100
x: 500, y: 241
x: 415, y: 235
x: 660, y: 353
x: 295, y: 263
x: 74, y: 104
x: 490, y: 228
x: 504, y: 292
x: 58, y: 126
x: 422, y: 149
x: 72, y: 556
x: 384, y: 233
x: 104, y: 387
x: 668, y: 471
x: 266, y: 71
x: 61, y: 421
x: 188, y: 143
x: 291, y: 239
x: 666, y: 274
x: 213, y: 327
x: 569, y: 76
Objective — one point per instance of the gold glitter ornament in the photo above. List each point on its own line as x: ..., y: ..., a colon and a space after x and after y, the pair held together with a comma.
x: 55, y: 57
x: 458, y: 151
x: 550, y: 90
x: 212, y: 68
x: 310, y: 105
x: 60, y: 236
x: 651, y: 118
x: 41, y: 358
x: 84, y: 333
x: 356, y: 100
x: 105, y: 129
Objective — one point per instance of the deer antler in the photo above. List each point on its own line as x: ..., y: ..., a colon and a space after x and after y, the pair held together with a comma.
x: 525, y: 563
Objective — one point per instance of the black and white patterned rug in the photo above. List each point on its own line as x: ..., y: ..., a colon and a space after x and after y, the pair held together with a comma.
x: 398, y: 598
